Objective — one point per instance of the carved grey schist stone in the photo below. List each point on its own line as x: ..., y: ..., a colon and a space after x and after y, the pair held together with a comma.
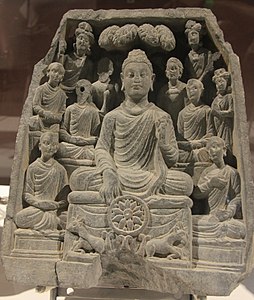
x: 132, y: 159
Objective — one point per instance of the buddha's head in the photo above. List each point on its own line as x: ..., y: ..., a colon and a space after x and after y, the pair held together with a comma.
x: 137, y: 75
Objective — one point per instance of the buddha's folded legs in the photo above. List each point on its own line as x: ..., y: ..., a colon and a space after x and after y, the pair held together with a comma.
x: 88, y: 179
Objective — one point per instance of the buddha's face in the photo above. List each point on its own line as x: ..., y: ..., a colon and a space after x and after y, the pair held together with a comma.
x: 193, y: 38
x: 48, y: 146
x: 82, y: 42
x: 194, y: 92
x: 173, y: 71
x: 137, y: 80
x: 221, y: 84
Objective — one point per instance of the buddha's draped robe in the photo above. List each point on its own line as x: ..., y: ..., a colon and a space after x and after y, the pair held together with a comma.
x: 128, y: 144
x: 79, y: 121
x: 209, y: 225
x: 49, y: 99
x: 44, y: 181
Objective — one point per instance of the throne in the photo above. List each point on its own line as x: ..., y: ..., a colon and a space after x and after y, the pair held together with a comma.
x: 156, y: 230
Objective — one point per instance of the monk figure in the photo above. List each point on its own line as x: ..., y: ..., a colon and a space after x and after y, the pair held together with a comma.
x: 220, y: 184
x: 137, y: 143
x: 172, y: 97
x: 45, y: 189
x: 49, y: 101
x: 194, y: 125
x: 79, y: 130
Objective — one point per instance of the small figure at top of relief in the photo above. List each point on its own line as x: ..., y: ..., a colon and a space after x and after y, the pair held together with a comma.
x: 199, y: 61
x: 104, y: 91
x: 49, y: 101
x: 194, y: 125
x: 172, y: 96
x: 79, y: 129
x: 46, y: 187
x: 221, y: 185
x: 223, y: 108
x: 77, y: 63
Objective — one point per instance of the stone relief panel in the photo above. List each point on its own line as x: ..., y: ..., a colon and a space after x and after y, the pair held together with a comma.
x: 132, y: 173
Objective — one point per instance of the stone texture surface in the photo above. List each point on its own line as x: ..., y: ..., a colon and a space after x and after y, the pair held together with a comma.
x: 117, y: 231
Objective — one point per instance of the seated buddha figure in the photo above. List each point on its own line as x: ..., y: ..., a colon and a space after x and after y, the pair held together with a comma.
x: 137, y: 145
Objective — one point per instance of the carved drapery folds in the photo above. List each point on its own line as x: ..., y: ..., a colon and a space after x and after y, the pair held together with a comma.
x: 131, y: 156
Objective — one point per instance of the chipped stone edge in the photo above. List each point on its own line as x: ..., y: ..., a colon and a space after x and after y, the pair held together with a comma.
x: 241, y: 144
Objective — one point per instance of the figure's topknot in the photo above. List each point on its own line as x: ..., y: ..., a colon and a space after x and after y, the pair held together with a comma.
x: 137, y: 56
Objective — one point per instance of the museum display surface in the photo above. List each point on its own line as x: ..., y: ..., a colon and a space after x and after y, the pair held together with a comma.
x: 132, y: 164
